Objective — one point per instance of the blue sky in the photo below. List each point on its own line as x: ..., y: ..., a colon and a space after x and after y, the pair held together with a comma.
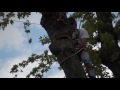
x: 14, y: 48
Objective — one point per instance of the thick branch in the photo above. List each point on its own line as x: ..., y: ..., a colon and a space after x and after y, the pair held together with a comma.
x: 106, y: 53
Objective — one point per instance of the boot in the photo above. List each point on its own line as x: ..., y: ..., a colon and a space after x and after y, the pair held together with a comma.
x: 90, y: 70
x: 91, y: 73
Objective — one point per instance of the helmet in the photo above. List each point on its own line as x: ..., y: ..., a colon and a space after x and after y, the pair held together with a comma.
x: 71, y: 20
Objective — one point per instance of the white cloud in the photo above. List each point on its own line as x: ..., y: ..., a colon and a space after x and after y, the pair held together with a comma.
x: 35, y: 18
x: 7, y: 63
x: 11, y: 38
x: 54, y: 72
x: 5, y: 68
x: 97, y: 47
x: 58, y: 74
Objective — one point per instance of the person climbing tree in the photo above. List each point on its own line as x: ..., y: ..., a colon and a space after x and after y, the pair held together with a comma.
x: 80, y: 37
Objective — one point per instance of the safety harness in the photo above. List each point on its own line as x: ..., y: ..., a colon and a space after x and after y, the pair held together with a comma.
x: 71, y: 56
x: 75, y: 37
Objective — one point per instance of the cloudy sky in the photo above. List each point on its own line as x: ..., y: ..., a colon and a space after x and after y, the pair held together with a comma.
x: 14, y: 48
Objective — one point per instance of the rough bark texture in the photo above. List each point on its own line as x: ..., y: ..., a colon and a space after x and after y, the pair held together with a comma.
x: 106, y: 53
x: 60, y: 35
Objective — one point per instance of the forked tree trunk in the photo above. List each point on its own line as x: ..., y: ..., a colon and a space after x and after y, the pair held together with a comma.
x: 59, y: 32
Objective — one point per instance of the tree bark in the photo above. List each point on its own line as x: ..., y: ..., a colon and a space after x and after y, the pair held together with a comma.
x: 60, y: 34
x: 106, y: 53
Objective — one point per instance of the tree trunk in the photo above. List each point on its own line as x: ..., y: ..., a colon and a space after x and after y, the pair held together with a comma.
x: 106, y: 53
x: 60, y: 34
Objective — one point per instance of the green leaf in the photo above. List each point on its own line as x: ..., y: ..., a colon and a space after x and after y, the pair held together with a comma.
x: 115, y: 56
x: 12, y: 22
x: 30, y: 41
x: 44, y: 40
x: 27, y: 31
x: 14, y: 69
x: 31, y: 59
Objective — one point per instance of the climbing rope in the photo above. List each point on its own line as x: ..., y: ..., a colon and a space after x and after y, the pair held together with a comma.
x: 71, y: 56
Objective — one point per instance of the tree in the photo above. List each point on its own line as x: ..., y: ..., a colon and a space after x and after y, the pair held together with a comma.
x: 112, y: 58
x: 102, y: 24
x: 60, y: 35
x: 59, y: 32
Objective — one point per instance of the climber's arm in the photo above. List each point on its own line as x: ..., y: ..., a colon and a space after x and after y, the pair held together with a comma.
x: 83, y: 43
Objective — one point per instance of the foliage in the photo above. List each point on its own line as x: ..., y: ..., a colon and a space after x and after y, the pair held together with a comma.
x: 44, y: 40
x: 44, y: 62
x: 89, y: 22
